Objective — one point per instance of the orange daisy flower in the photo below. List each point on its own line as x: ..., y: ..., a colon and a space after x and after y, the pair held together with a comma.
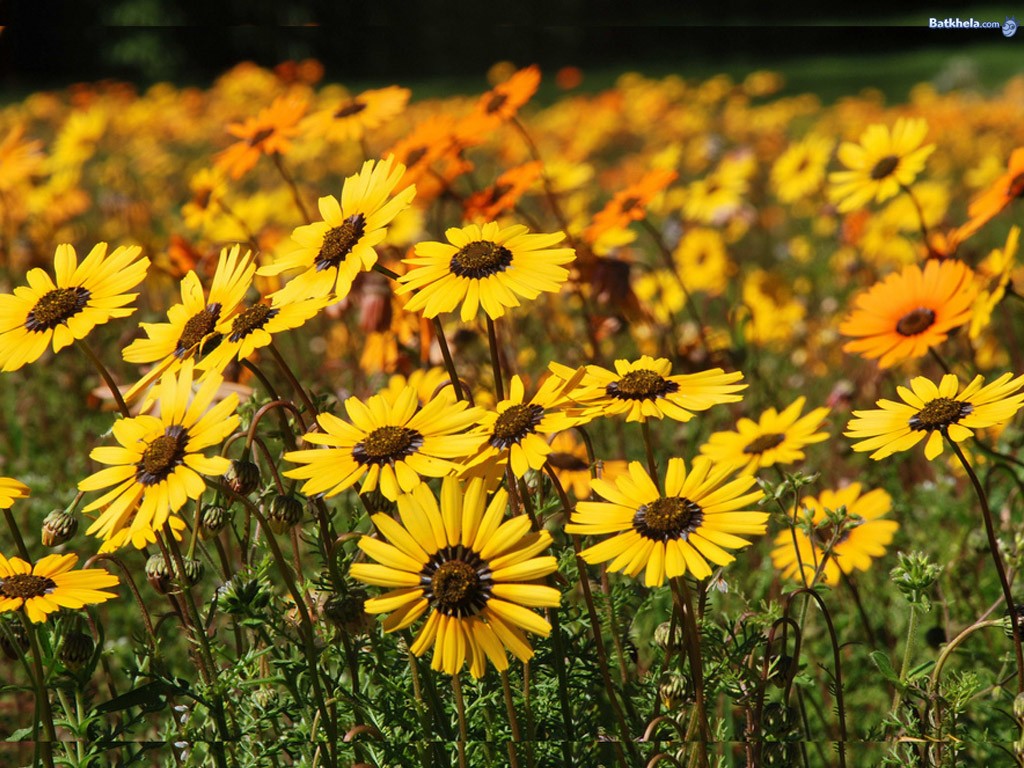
x: 501, y: 104
x: 630, y: 204
x: 489, y: 203
x: 1002, y: 192
x: 354, y: 117
x: 430, y: 142
x: 901, y: 317
x: 268, y: 133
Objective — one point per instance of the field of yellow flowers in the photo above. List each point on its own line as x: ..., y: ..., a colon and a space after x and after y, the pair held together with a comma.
x: 671, y: 424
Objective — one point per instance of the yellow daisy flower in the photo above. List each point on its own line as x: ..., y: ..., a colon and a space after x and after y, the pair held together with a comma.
x: 484, y: 266
x: 392, y: 442
x: 701, y: 514
x: 865, y: 536
x: 191, y: 330
x: 84, y: 295
x: 47, y: 586
x: 776, y: 438
x: 354, y: 117
x: 158, y: 465
x: 569, y: 460
x: 880, y: 164
x: 514, y: 429
x: 10, y: 491
x: 800, y: 170
x: 646, y: 389
x: 253, y: 328
x: 472, y: 571
x: 333, y: 251
x: 934, y: 411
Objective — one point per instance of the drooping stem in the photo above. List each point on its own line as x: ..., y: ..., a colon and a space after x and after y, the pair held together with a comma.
x: 296, y: 195
x: 101, y: 369
x: 993, y: 545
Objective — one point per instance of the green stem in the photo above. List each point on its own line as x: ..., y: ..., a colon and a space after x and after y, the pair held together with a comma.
x: 449, y: 363
x: 296, y: 196
x: 16, y: 533
x: 993, y: 544
x: 513, y: 721
x: 460, y: 708
x: 492, y: 340
x: 42, y: 695
x: 692, y: 634
x: 115, y: 391
x: 908, y: 653
x: 287, y: 371
x: 652, y: 465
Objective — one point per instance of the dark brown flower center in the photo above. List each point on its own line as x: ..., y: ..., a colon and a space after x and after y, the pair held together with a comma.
x: 480, y: 259
x: 884, y: 167
x: 254, y: 318
x: 55, y: 308
x: 354, y: 107
x: 339, y: 242
x: 515, y: 423
x: 457, y: 582
x: 26, y: 585
x: 764, y: 442
x: 629, y: 204
x: 1016, y: 188
x: 162, y: 456
x: 414, y: 156
x: 385, y: 445
x: 666, y: 519
x: 939, y: 414
x: 496, y: 102
x: 198, y: 327
x: 569, y: 462
x: 916, y: 321
x: 202, y: 198
x: 641, y: 385
x: 260, y: 136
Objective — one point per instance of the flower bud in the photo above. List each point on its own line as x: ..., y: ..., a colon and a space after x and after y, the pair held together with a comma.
x: 346, y: 611
x: 213, y: 520
x: 285, y: 513
x: 158, y: 572
x: 58, y: 527
x: 672, y: 691
x: 242, y: 477
x: 75, y: 650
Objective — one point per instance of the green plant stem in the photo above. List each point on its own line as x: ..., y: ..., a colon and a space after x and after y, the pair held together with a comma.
x: 993, y: 544
x: 130, y: 581
x: 296, y: 195
x: 492, y: 341
x: 309, y: 648
x: 19, y: 542
x: 513, y: 721
x: 45, y: 711
x: 296, y: 385
x: 207, y: 668
x: 908, y: 653
x: 460, y: 709
x: 115, y: 391
x: 691, y: 633
x: 652, y: 465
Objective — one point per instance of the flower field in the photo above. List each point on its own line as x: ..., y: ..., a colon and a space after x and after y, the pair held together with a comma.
x: 674, y: 423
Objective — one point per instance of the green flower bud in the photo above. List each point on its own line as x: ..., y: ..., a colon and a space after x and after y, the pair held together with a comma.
x: 285, y: 513
x: 242, y: 477
x: 58, y: 527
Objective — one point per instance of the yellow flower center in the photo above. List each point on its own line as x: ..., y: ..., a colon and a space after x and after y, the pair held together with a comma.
x: 916, y: 321
x: 339, y: 242
x: 254, y: 318
x: 515, y: 423
x: 198, y: 327
x: 56, y: 307
x: 764, y: 442
x: 480, y: 259
x: 385, y: 445
x: 666, y: 519
x: 162, y: 456
x: 939, y: 414
x: 457, y: 582
x: 354, y: 107
x: 26, y: 585
x: 641, y: 385
x: 884, y: 167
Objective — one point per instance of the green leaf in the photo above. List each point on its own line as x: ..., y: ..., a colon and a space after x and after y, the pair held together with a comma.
x: 881, y: 661
x: 150, y: 697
